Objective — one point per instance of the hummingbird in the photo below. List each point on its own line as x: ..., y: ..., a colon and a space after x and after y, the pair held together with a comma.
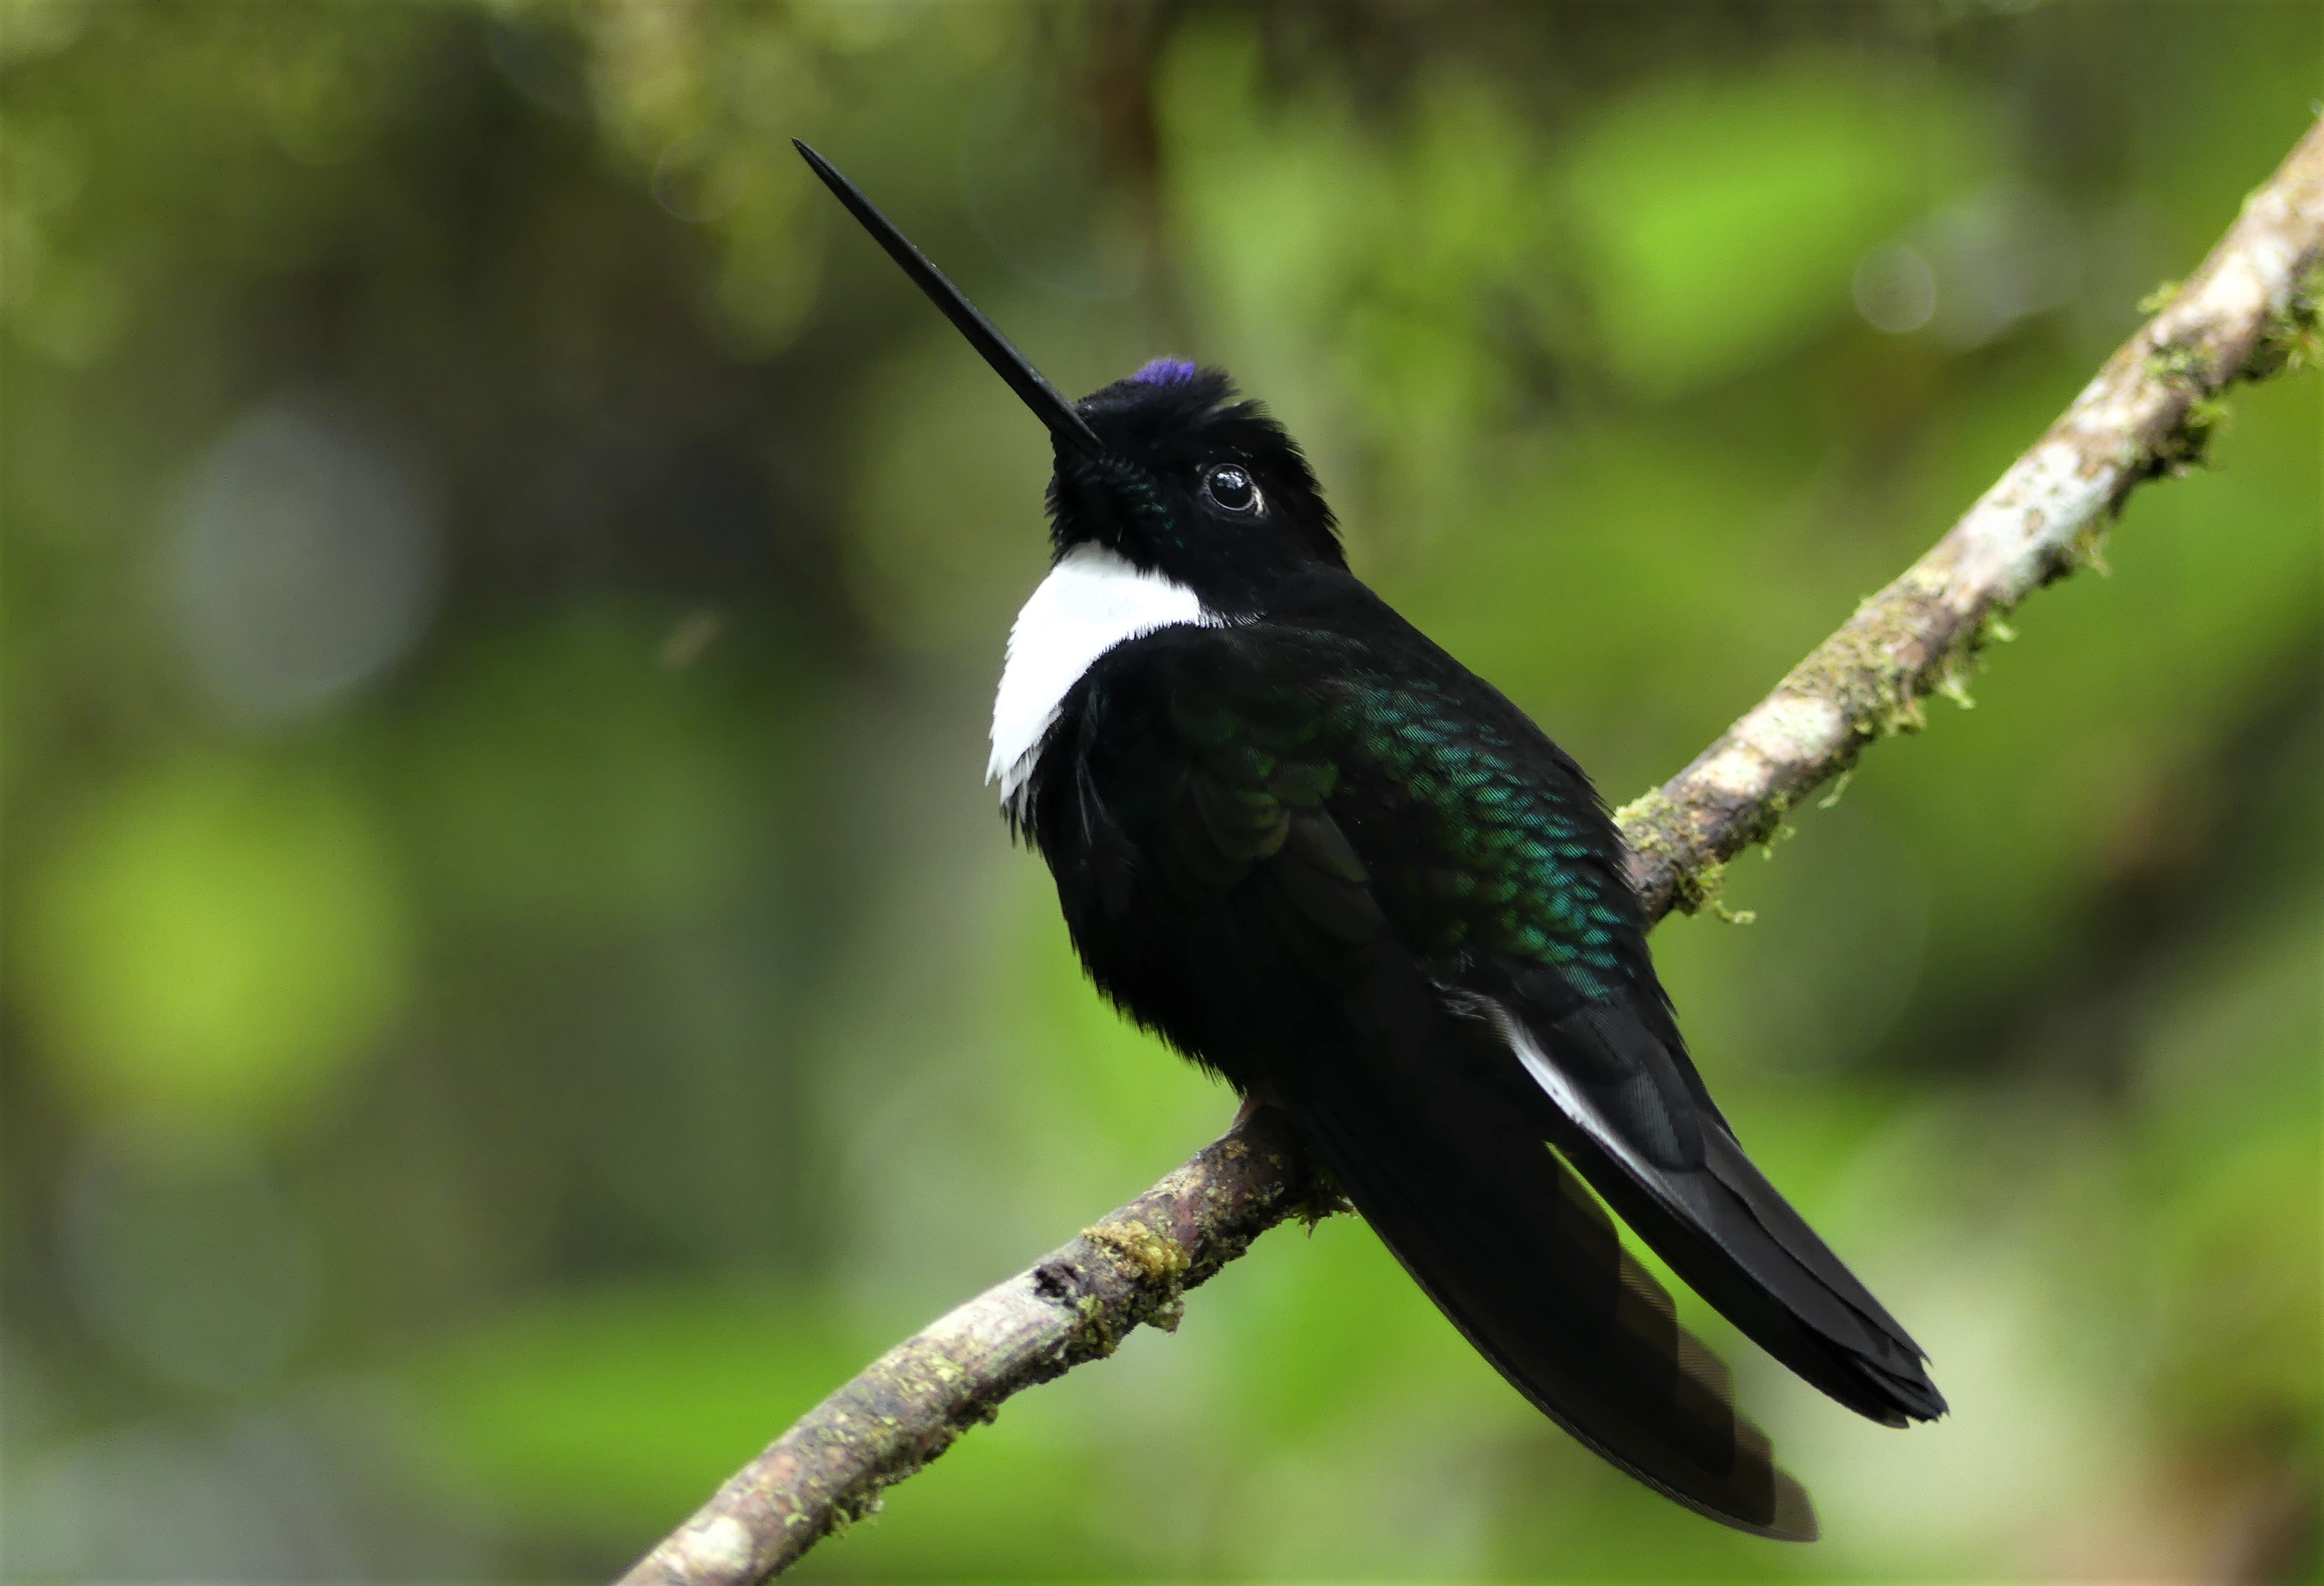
x: 1325, y: 861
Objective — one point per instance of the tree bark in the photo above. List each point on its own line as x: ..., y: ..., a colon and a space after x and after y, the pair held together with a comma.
x: 2251, y: 310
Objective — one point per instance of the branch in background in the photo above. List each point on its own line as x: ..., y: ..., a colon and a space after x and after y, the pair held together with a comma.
x: 2250, y: 310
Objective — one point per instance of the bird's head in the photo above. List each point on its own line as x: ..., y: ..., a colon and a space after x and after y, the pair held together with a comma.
x: 1165, y: 469
x: 1191, y: 484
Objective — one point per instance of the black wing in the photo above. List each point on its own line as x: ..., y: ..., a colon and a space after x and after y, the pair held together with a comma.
x: 1297, y: 869
x: 1540, y: 939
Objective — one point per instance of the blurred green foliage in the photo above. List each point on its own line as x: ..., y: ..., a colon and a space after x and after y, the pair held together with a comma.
x: 216, y: 945
x: 511, y: 989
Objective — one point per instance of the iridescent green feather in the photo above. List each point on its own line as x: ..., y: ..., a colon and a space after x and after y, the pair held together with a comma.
x: 1492, y: 860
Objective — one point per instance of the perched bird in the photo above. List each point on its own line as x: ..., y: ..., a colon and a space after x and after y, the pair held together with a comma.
x: 1324, y: 860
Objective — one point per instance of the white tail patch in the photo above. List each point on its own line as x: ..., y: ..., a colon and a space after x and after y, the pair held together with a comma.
x: 1561, y: 1091
x: 1093, y: 600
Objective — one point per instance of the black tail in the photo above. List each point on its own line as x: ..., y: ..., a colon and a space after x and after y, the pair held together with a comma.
x: 1741, y: 1247
x: 1462, y: 1187
x: 1635, y: 1123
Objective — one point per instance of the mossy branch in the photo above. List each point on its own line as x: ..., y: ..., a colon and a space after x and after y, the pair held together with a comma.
x: 2250, y: 311
x: 1075, y: 1304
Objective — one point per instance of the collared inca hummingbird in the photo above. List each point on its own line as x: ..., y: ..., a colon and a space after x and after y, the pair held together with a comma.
x: 1320, y: 858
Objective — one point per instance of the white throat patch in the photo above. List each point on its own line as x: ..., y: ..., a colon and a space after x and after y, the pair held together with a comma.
x: 1093, y: 600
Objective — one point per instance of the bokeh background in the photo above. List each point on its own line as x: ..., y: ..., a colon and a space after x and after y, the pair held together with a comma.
x: 513, y: 988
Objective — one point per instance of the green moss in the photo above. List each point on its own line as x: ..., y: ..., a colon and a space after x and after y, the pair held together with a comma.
x: 849, y: 1508
x: 1324, y: 1201
x: 1952, y: 676
x: 1157, y: 1257
x: 1650, y: 824
x: 1699, y: 890
x: 2186, y: 445
x: 2182, y: 447
x: 2294, y: 339
x: 1099, y: 1329
x: 2089, y: 548
x: 1646, y: 821
x: 2291, y: 340
x: 2176, y: 363
x: 1856, y: 668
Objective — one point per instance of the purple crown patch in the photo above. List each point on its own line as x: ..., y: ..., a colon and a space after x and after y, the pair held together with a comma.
x: 1166, y: 372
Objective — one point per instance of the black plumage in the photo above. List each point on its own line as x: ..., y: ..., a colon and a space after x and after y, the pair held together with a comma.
x: 1320, y: 857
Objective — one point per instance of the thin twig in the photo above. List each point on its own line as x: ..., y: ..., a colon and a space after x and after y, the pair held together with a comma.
x: 2247, y: 313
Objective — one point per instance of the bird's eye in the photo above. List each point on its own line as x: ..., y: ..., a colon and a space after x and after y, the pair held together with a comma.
x: 1231, y: 489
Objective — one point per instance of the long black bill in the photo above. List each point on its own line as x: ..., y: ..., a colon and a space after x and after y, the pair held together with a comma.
x: 1047, y: 405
